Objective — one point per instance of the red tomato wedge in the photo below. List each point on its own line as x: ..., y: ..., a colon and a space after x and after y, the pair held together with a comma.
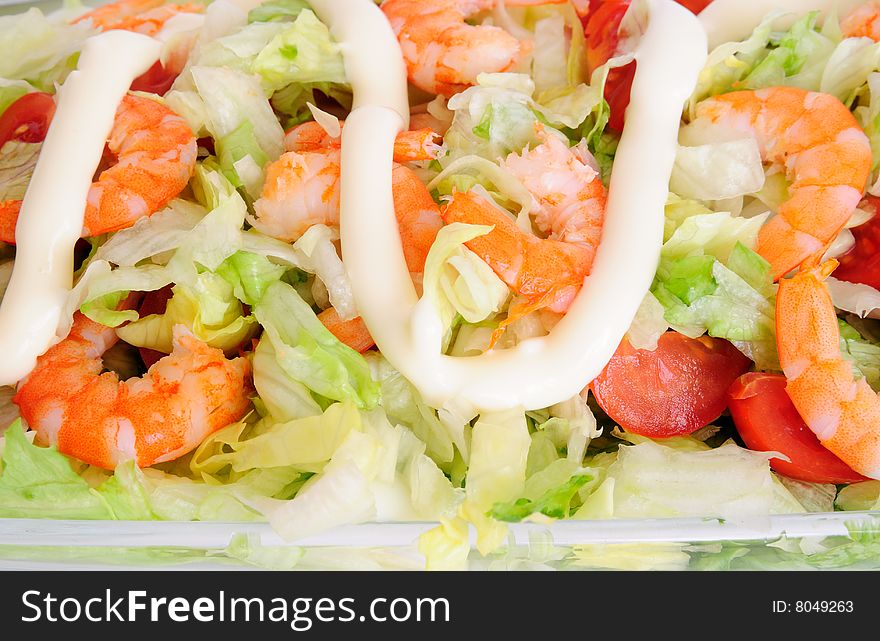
x: 767, y: 421
x: 862, y: 263
x: 153, y: 303
x: 602, y: 27
x: 27, y: 119
x: 157, y: 79
x: 676, y: 389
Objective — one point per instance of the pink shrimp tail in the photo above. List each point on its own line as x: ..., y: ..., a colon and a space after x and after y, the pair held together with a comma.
x: 843, y: 412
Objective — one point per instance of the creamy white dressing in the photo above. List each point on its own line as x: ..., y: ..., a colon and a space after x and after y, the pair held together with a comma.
x: 373, y: 62
x: 182, y: 23
x: 51, y: 218
x: 734, y: 20
x: 538, y: 372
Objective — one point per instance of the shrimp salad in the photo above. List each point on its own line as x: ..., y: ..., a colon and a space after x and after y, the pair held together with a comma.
x: 473, y: 262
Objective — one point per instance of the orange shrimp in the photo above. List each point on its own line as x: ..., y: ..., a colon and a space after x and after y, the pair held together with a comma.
x: 842, y: 411
x: 409, y: 146
x: 545, y: 272
x: 824, y: 152
x: 443, y: 53
x: 141, y: 16
x: 302, y: 190
x: 863, y: 22
x: 103, y: 421
x: 353, y: 333
x: 418, y: 219
x: 155, y: 157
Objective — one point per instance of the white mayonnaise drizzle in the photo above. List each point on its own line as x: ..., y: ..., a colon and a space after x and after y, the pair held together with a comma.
x: 180, y: 24
x: 542, y: 371
x: 51, y: 218
x: 733, y: 20
x: 373, y: 63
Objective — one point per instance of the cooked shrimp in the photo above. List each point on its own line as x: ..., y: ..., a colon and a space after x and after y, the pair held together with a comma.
x: 842, y: 411
x: 570, y: 208
x: 353, y: 333
x: 863, y: 22
x: 418, y: 219
x: 443, y: 53
x: 103, y: 421
x: 410, y: 146
x: 824, y: 153
x: 302, y: 189
x: 155, y: 154
x: 142, y: 16
x: 546, y: 273
x: 569, y: 195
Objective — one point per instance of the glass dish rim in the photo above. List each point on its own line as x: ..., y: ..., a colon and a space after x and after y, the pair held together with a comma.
x: 206, y: 534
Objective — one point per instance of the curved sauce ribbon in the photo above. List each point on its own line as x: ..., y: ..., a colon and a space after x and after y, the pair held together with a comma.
x: 538, y: 372
x: 51, y: 217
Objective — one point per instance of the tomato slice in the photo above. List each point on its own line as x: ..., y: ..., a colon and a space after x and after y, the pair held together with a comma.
x: 28, y: 118
x: 862, y: 263
x: 676, y: 389
x: 153, y: 303
x: 767, y: 421
x: 157, y: 79
x: 695, y: 5
x: 602, y: 31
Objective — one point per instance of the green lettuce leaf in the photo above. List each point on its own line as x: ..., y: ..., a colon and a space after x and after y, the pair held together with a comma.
x: 715, y: 170
x: 17, y: 162
x: 862, y: 353
x: 368, y: 477
x: 498, y: 115
x: 457, y: 281
x: 12, y: 90
x: 303, y: 53
x: 496, y: 474
x: 40, y: 49
x: 249, y: 275
x: 232, y: 107
x: 309, y: 353
x: 794, y: 57
x: 284, y: 398
x: 553, y: 502
x: 39, y: 483
x: 208, y: 307
x: 859, y: 497
x: 277, y: 10
x: 650, y: 480
x: 404, y: 406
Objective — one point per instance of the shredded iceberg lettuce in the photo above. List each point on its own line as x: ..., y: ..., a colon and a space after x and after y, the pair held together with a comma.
x: 309, y: 353
x: 40, y: 49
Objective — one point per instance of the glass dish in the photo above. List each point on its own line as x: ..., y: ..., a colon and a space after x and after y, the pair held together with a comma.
x: 839, y: 540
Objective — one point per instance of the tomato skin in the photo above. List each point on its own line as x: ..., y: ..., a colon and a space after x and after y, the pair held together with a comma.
x: 28, y: 118
x: 862, y: 263
x: 601, y: 28
x: 674, y: 390
x: 768, y: 421
x: 157, y: 79
x: 153, y: 303
x: 695, y: 6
